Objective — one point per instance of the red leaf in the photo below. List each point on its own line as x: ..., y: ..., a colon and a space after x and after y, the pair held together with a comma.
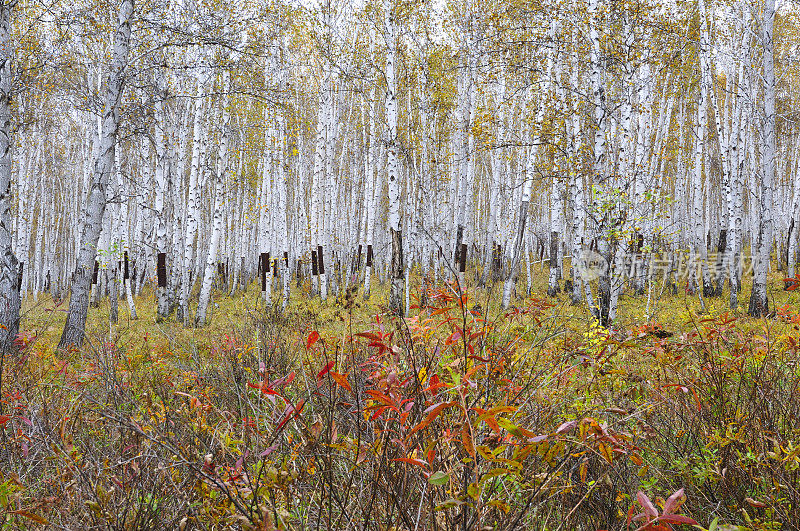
x: 431, y: 455
x: 313, y: 337
x: 378, y: 345
x: 369, y: 335
x: 326, y: 369
x: 378, y: 412
x: 411, y: 461
x: 4, y: 420
x: 677, y: 519
x: 434, y: 384
x: 455, y: 336
x: 269, y: 450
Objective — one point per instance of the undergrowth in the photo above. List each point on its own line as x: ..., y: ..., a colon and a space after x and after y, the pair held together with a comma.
x: 460, y: 416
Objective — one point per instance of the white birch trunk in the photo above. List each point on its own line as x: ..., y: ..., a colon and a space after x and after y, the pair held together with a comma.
x: 192, y: 204
x: 392, y: 169
x: 159, y: 204
x: 218, y: 220
x: 759, y: 303
x: 370, y: 197
x: 9, y: 265
x: 74, y: 329
x: 513, y: 271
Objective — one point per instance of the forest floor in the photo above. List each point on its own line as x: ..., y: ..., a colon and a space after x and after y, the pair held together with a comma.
x: 337, y: 415
x: 44, y: 319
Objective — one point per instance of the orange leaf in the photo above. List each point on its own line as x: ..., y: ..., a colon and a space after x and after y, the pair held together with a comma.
x: 30, y: 516
x: 265, y: 388
x: 291, y: 412
x: 377, y: 395
x: 455, y: 336
x: 630, y: 515
x: 605, y: 451
x: 466, y: 438
x: 313, y: 337
x: 362, y: 454
x: 431, y: 416
x: 341, y: 379
x: 697, y: 400
x: 492, y: 423
x: 755, y: 503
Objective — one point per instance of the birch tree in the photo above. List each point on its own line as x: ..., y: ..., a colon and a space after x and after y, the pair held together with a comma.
x: 75, y: 326
x: 192, y: 203
x: 9, y: 264
x: 210, y: 269
x: 759, y: 303
x: 392, y: 166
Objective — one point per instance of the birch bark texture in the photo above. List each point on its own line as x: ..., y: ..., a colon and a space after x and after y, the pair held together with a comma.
x: 75, y: 327
x: 9, y: 264
x: 759, y: 304
x: 192, y: 206
x: 219, y: 217
x: 392, y: 167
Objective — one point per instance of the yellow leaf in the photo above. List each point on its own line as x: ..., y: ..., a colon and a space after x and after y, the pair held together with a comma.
x: 606, y: 452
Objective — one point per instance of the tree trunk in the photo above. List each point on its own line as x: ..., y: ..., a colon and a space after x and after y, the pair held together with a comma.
x: 113, y: 292
x: 192, y: 206
x: 759, y: 304
x: 392, y: 170
x: 556, y: 224
x: 74, y: 329
x: 219, y: 192
x: 513, y: 269
x: 370, y: 198
x: 9, y: 265
x: 600, y: 312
